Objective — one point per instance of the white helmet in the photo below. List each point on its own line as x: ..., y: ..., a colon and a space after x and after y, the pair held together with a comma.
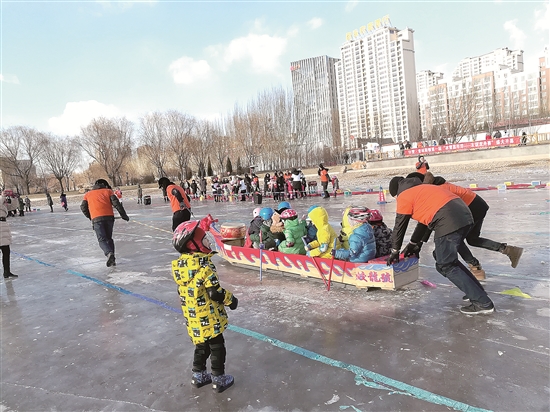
x: 256, y: 212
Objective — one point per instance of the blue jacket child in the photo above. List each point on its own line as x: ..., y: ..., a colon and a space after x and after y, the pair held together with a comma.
x: 362, y: 244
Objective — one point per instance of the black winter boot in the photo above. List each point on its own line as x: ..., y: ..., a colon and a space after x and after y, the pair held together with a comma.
x: 222, y: 382
x: 200, y: 379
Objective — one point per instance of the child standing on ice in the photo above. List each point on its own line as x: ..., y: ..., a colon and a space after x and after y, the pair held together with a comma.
x: 203, y: 302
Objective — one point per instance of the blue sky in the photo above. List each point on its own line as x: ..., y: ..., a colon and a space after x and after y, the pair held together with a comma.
x: 66, y: 62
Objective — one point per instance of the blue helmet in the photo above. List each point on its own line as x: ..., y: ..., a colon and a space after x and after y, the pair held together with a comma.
x: 284, y: 205
x: 311, y: 208
x: 266, y: 213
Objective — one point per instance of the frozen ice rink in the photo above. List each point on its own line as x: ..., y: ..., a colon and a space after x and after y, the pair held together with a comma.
x: 78, y: 336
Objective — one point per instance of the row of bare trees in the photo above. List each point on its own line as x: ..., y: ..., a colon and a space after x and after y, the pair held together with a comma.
x: 262, y: 133
x: 24, y: 150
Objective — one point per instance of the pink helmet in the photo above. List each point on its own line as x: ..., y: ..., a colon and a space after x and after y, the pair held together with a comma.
x: 360, y: 214
x: 256, y: 212
x: 289, y: 214
x: 375, y: 216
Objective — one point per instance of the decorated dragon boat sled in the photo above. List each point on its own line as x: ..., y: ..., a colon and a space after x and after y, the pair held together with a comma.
x: 374, y: 273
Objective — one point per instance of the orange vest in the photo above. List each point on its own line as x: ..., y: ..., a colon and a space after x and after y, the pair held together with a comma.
x: 422, y: 169
x: 324, y: 176
x: 174, y: 203
x: 99, y: 202
x: 466, y: 195
x: 422, y: 202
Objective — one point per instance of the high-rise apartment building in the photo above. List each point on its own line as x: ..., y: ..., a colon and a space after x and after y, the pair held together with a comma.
x: 498, y: 59
x: 377, y: 95
x: 487, y: 92
x: 424, y: 81
x: 315, y: 102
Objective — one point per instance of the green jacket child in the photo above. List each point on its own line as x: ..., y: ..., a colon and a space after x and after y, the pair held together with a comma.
x: 295, y: 229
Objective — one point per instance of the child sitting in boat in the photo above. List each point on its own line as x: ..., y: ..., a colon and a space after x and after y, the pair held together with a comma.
x: 346, y: 230
x: 323, y: 245
x: 382, y: 233
x: 267, y: 237
x: 294, y: 230
x: 255, y: 223
x: 310, y: 227
x: 362, y: 245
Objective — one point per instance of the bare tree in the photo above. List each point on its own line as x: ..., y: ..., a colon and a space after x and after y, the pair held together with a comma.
x: 180, y: 128
x: 154, y: 141
x: 20, y: 150
x: 61, y: 157
x: 462, y: 113
x: 201, y: 145
x: 109, y: 143
x: 220, y: 145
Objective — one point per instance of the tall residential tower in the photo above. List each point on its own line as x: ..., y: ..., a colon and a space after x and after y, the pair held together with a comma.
x: 315, y: 102
x: 377, y: 94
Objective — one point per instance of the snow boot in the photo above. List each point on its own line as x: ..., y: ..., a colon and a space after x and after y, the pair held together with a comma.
x: 200, y: 379
x: 513, y: 252
x: 477, y: 271
x: 222, y: 382
x: 111, y: 260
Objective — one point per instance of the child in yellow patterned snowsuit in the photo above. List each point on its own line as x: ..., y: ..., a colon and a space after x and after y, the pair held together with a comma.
x: 203, y: 302
x: 326, y: 235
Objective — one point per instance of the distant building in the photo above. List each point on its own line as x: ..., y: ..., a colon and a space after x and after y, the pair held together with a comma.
x: 377, y: 94
x: 494, y: 61
x: 315, y: 102
x: 487, y: 92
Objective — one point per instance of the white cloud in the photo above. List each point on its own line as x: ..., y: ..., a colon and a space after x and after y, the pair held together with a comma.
x: 542, y: 18
x: 9, y: 78
x: 293, y: 31
x: 262, y: 50
x: 315, y: 23
x: 78, y: 114
x: 517, y: 36
x: 186, y: 70
x: 351, y: 5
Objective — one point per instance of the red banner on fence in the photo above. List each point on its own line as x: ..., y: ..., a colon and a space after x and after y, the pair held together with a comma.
x: 480, y: 144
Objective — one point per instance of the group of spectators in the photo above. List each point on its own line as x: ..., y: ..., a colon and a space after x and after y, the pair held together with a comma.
x: 281, y: 185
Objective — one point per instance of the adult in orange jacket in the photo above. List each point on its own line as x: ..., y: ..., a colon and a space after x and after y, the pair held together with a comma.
x: 97, y: 206
x: 324, y: 177
x: 479, y: 209
x: 422, y: 166
x: 179, y: 202
x: 437, y: 209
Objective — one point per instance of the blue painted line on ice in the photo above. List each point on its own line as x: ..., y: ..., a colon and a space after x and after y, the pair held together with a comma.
x: 362, y: 376
x: 361, y: 373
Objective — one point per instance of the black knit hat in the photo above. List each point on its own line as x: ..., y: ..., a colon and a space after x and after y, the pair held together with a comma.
x: 416, y: 174
x: 163, y: 182
x: 394, y: 185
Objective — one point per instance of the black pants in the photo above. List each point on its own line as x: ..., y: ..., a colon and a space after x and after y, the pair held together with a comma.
x: 325, y: 189
x: 447, y: 263
x: 179, y: 217
x: 6, y: 259
x: 213, y: 349
x: 104, y: 233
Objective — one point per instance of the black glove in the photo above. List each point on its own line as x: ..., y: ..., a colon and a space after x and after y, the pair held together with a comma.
x: 412, y: 249
x: 393, y: 258
x: 234, y: 303
x: 125, y: 217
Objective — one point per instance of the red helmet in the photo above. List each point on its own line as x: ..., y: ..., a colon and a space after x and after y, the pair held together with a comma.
x: 361, y: 214
x: 190, y: 237
x: 289, y: 214
x: 375, y: 216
